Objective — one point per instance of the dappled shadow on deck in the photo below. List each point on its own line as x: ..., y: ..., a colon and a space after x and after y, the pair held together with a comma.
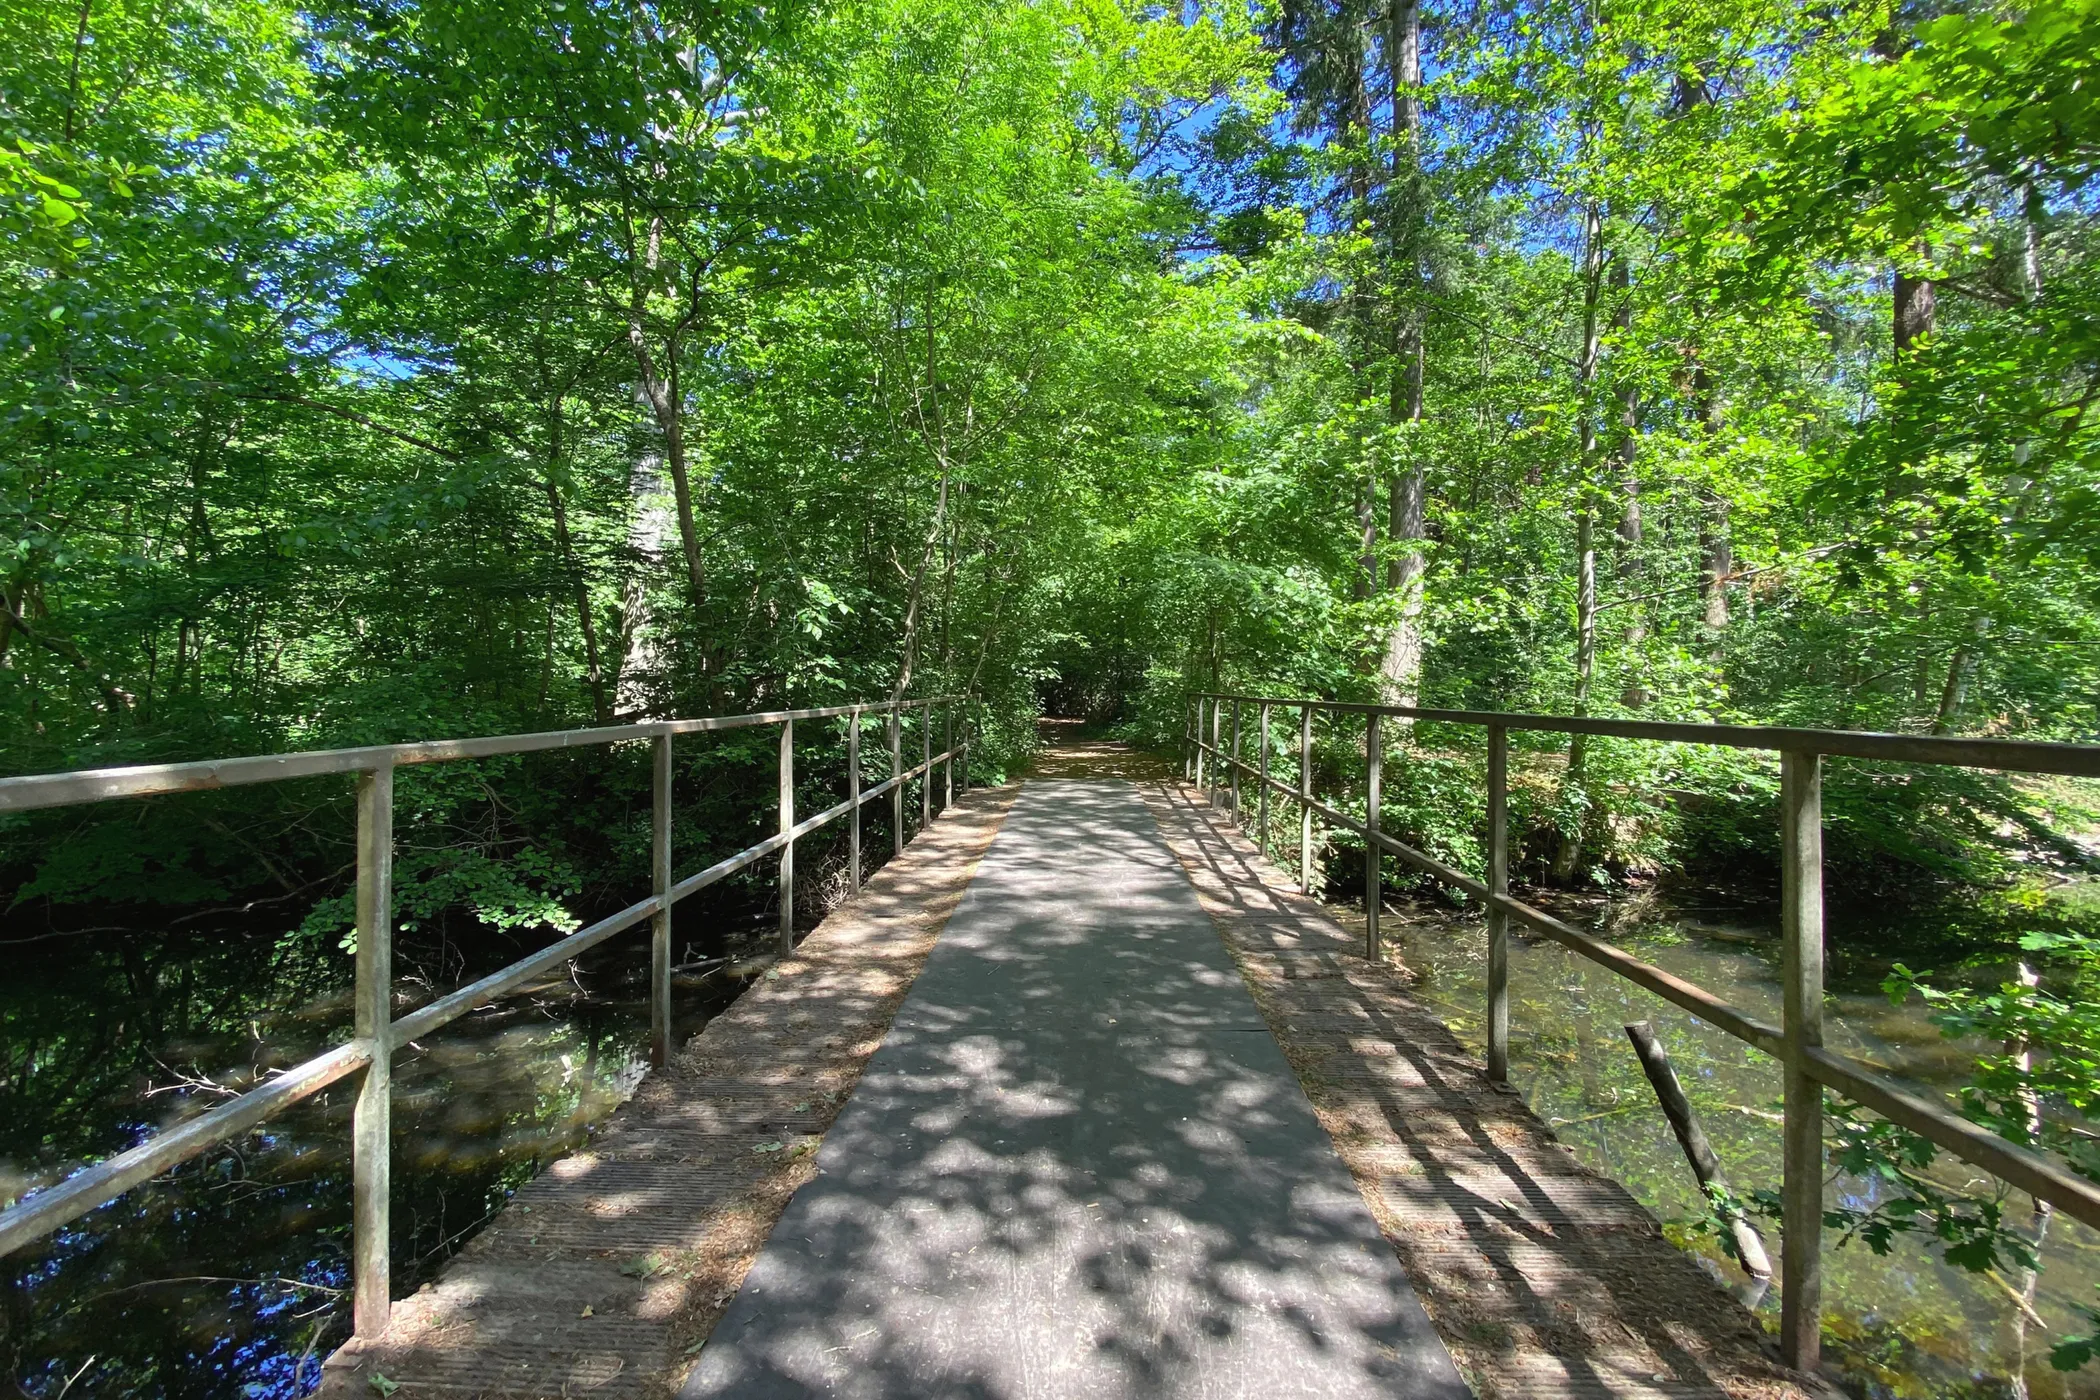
x: 1544, y: 1279
x: 1079, y: 1166
x: 600, y: 1275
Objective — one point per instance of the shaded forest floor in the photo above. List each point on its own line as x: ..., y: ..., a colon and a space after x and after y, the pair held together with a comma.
x: 1068, y: 750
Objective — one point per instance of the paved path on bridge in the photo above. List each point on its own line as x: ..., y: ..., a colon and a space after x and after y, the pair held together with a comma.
x: 1079, y: 1166
x: 1012, y: 1196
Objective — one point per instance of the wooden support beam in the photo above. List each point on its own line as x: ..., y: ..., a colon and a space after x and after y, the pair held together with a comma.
x: 660, y: 888
x: 371, y: 1120
x: 1374, y: 798
x: 896, y: 775
x: 787, y: 850
x: 1261, y: 839
x: 1498, y: 918
x: 1305, y: 815
x: 1801, y: 1026
x: 853, y: 800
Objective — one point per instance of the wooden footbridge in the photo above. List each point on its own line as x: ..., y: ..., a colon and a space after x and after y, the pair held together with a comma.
x: 1080, y: 1095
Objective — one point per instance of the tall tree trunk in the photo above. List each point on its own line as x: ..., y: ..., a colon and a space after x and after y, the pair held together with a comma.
x: 1717, y: 560
x: 1400, y: 670
x: 907, y: 662
x: 1570, y: 852
x: 1367, y: 530
x: 11, y: 594
x: 1914, y: 311
x: 660, y: 390
x: 594, y: 662
x: 2030, y: 241
x: 1635, y: 693
x: 1961, y: 669
x: 1716, y: 544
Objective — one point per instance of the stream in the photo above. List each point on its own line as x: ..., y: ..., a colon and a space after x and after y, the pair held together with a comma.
x: 227, y: 1276
x: 1900, y: 1325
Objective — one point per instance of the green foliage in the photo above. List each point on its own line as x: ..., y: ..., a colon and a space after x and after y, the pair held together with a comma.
x: 2050, y: 1039
x: 388, y: 369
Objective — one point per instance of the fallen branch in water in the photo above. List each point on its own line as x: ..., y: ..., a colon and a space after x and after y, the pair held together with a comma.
x: 1655, y: 1062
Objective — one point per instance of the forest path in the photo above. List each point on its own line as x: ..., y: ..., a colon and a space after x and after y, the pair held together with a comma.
x: 1078, y: 1097
x: 1078, y: 1166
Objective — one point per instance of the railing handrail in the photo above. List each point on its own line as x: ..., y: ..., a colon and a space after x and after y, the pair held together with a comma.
x: 2014, y: 755
x: 379, y: 1033
x: 85, y: 785
x: 1797, y: 1043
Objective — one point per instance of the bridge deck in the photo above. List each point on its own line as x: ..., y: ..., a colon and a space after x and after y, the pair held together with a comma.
x: 1077, y: 1165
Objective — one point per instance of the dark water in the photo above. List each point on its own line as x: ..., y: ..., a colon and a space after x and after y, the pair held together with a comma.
x: 1901, y: 1325
x: 228, y: 1276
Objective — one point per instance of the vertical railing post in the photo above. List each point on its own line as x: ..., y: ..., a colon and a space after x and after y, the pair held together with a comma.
x: 1305, y: 832
x: 925, y: 765
x: 371, y: 1130
x: 1234, y: 766
x: 1217, y: 732
x: 948, y: 748
x: 1498, y: 920
x: 787, y: 822
x: 897, y: 773
x: 660, y: 886
x: 1262, y: 802
x: 1202, y: 754
x: 1189, y: 715
x: 1801, y: 976
x: 1374, y: 776
x: 853, y: 798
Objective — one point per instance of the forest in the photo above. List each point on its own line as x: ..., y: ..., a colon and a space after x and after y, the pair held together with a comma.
x: 375, y: 370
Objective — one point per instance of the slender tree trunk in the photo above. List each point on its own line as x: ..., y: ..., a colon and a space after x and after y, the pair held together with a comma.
x: 918, y: 583
x: 660, y: 390
x: 1570, y: 852
x: 1367, y: 531
x: 1961, y: 669
x: 1363, y: 315
x: 1400, y: 670
x: 1717, y: 560
x: 1635, y: 694
x: 1716, y: 544
x: 2030, y: 241
x: 1914, y: 311
x: 11, y: 594
x: 594, y: 663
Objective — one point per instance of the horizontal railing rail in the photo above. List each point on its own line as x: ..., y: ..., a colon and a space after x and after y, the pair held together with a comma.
x: 377, y: 1032
x: 1796, y: 1043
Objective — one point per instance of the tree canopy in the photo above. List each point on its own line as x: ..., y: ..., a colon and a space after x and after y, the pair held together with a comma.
x: 394, y: 369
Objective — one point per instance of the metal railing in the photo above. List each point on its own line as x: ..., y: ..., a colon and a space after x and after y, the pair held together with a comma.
x: 378, y: 1033
x: 1797, y: 1042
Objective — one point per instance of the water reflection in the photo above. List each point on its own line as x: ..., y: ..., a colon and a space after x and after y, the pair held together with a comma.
x: 228, y: 1277
x: 1902, y: 1325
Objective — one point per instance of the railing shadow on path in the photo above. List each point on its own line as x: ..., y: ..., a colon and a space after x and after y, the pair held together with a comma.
x: 1080, y: 1164
x: 1544, y: 1278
